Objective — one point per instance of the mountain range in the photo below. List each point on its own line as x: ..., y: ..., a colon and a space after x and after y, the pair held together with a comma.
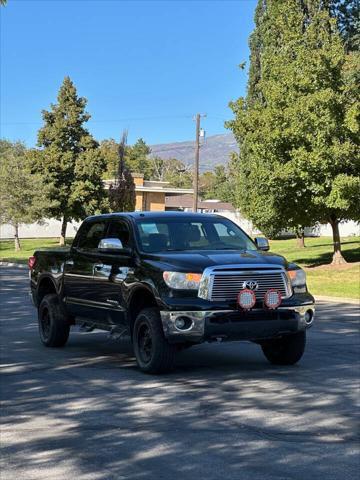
x: 215, y: 151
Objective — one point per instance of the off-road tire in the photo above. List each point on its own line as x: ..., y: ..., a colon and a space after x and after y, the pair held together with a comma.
x: 152, y: 351
x: 54, y: 327
x: 286, y: 350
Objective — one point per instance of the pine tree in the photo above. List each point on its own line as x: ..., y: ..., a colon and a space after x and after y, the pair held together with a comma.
x: 137, y: 158
x: 70, y: 160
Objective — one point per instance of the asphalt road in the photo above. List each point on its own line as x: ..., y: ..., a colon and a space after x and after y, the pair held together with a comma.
x: 85, y: 412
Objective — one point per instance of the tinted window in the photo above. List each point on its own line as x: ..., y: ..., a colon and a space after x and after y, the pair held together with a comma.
x: 119, y: 229
x: 153, y: 236
x: 91, y: 234
x: 181, y: 234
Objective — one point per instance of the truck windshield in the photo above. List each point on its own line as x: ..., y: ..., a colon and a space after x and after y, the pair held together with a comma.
x: 182, y: 234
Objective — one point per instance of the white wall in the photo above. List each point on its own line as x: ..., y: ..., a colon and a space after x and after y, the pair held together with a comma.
x: 50, y: 228
x: 246, y: 225
x: 347, y: 229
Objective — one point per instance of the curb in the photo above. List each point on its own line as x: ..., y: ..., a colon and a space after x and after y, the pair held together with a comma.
x: 21, y: 266
x: 352, y: 301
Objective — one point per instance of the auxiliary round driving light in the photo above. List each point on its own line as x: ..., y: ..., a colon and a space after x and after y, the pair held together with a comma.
x: 246, y: 299
x: 272, y: 298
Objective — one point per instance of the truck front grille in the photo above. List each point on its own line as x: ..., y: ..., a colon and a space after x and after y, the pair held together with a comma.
x: 226, y: 286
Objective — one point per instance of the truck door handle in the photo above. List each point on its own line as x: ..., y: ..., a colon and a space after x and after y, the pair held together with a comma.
x: 69, y: 263
x: 102, y: 269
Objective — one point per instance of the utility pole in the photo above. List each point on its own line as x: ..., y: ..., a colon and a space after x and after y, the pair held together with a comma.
x: 196, y: 166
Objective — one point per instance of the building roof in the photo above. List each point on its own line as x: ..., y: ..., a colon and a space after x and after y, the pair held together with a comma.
x: 156, y: 187
x: 186, y: 201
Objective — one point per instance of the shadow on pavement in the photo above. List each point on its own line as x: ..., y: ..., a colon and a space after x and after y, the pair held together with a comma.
x: 85, y: 411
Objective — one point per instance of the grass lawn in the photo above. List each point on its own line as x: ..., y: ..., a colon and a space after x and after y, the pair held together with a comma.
x: 340, y: 281
x: 8, y: 254
x: 323, y: 279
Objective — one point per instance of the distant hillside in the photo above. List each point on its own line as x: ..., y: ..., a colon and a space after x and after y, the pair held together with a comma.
x: 215, y: 151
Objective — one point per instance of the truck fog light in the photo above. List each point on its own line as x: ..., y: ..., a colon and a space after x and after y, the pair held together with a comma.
x: 246, y: 299
x: 183, y: 323
x: 308, y: 316
x: 272, y: 298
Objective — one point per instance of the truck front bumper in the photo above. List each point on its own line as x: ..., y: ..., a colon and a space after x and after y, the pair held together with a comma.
x: 257, y: 324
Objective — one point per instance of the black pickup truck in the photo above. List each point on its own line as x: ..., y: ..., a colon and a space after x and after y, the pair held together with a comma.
x: 170, y: 280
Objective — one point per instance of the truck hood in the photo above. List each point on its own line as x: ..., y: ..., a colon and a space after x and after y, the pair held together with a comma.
x: 196, y: 262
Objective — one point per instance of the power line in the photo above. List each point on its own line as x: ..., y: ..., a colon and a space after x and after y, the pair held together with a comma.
x: 129, y: 119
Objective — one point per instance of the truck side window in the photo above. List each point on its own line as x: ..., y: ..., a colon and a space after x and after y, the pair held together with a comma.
x: 90, y: 237
x: 120, y: 230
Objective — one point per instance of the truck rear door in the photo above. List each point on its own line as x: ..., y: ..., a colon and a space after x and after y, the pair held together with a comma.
x: 80, y: 289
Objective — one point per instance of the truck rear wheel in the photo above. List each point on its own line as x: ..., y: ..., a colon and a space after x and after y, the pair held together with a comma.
x: 153, y: 353
x: 286, y: 350
x: 53, y: 325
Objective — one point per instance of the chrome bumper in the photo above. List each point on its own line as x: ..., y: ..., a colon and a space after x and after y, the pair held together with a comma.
x: 196, y: 331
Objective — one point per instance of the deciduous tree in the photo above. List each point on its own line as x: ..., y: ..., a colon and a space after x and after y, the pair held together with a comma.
x: 23, y: 196
x: 298, y: 126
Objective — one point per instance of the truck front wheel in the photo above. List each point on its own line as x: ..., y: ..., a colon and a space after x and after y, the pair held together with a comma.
x: 53, y: 325
x: 153, y: 353
x: 286, y: 350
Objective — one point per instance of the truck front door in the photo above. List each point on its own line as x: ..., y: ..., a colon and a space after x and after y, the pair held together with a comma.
x: 112, y: 273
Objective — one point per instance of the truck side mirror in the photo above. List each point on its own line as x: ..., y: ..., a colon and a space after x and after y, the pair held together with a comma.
x: 113, y: 245
x: 262, y: 243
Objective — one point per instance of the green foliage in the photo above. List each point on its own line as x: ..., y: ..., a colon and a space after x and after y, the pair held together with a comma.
x: 23, y: 196
x: 109, y: 152
x: 122, y: 196
x: 70, y: 161
x: 216, y: 185
x: 298, y: 127
x: 137, y: 158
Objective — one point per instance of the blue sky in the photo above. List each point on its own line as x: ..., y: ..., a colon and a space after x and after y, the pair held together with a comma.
x: 143, y: 65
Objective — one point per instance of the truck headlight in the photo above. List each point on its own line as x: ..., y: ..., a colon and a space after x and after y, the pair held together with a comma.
x: 297, y: 277
x: 182, y: 281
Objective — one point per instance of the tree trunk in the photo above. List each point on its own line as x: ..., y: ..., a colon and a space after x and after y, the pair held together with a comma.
x: 63, y: 231
x: 338, y: 259
x: 16, y: 238
x: 300, y: 235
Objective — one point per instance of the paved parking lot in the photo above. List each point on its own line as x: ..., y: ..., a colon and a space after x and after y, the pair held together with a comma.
x: 85, y: 411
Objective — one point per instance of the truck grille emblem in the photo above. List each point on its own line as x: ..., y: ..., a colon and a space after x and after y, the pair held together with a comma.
x: 251, y: 285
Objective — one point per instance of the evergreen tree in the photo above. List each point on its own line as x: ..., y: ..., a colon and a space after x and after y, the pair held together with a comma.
x: 70, y: 161
x: 23, y: 196
x: 298, y: 127
x: 122, y: 192
x: 137, y: 158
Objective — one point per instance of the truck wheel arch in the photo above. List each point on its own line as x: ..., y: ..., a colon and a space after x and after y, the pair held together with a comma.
x: 141, y: 298
x: 45, y: 287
